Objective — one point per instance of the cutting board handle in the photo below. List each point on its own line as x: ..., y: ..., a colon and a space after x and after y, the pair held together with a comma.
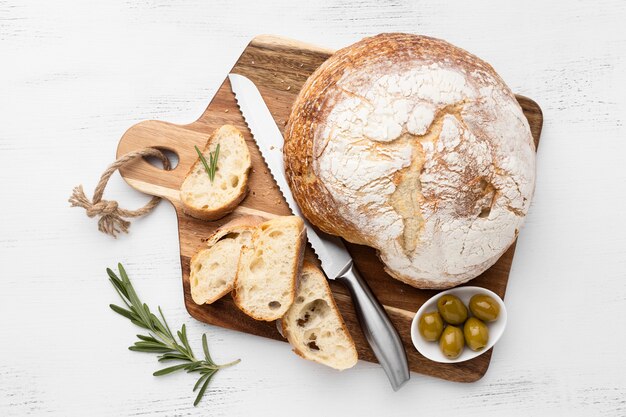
x: 179, y: 139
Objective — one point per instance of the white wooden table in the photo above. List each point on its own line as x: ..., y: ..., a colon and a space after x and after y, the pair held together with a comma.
x: 75, y: 74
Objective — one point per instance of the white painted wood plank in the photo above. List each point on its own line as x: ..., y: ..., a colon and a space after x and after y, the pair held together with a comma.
x: 74, y: 75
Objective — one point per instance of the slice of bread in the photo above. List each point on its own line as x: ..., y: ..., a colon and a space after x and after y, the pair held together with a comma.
x: 265, y: 283
x: 314, y: 326
x: 213, y: 269
x: 208, y: 200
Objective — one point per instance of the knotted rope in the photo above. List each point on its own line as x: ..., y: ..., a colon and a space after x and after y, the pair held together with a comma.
x: 111, y: 215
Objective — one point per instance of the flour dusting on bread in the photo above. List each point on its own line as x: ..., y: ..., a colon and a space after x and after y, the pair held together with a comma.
x: 416, y: 148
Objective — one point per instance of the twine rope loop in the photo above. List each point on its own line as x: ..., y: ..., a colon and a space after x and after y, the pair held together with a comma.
x: 112, y: 217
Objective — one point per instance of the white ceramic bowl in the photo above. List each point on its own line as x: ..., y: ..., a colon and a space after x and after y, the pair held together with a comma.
x: 431, y: 349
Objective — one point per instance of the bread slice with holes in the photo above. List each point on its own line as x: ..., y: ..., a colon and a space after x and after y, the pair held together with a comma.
x: 314, y: 326
x: 211, y: 200
x: 213, y: 269
x: 268, y: 268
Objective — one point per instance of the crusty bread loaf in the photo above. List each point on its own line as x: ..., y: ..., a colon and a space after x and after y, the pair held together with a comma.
x: 208, y: 200
x: 213, y: 269
x: 414, y: 147
x: 268, y: 267
x: 314, y: 326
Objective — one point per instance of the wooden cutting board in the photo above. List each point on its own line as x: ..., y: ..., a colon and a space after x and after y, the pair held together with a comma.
x: 279, y: 67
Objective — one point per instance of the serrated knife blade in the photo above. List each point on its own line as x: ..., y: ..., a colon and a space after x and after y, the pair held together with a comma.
x: 330, y: 249
x: 336, y: 261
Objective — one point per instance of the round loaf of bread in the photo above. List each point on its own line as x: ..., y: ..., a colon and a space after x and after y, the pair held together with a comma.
x: 414, y: 147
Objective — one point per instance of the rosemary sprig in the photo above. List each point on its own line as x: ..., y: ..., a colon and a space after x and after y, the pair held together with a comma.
x: 210, y: 167
x: 160, y: 338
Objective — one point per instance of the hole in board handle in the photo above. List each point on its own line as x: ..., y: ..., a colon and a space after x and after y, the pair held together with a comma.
x: 169, y: 154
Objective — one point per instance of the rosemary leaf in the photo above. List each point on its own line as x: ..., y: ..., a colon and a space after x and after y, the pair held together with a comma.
x: 167, y: 327
x: 158, y: 345
x: 204, y: 162
x: 122, y: 312
x: 204, y: 376
x: 172, y: 357
x: 214, y: 156
x: 149, y: 349
x: 205, y: 347
x: 203, y: 389
x: 147, y: 338
x: 182, y: 335
x: 118, y: 285
x: 139, y: 324
x: 171, y: 369
x: 196, y: 365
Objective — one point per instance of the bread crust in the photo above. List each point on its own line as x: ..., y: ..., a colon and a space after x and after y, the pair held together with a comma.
x: 236, y: 225
x: 212, y: 215
x: 310, y: 114
x: 228, y: 207
x: 299, y: 249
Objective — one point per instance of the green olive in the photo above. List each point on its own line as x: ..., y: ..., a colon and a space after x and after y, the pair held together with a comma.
x: 484, y: 307
x: 452, y: 309
x: 430, y: 326
x: 451, y: 342
x: 476, y: 334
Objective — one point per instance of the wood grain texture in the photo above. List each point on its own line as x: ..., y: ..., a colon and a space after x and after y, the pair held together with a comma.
x: 279, y: 67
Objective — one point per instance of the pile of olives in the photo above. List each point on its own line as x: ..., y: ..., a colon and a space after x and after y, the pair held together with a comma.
x: 444, y: 325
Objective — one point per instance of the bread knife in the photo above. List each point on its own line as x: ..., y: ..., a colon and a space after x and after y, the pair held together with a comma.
x: 336, y: 261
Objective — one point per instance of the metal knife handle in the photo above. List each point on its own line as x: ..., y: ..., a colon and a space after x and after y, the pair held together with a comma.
x: 378, y: 329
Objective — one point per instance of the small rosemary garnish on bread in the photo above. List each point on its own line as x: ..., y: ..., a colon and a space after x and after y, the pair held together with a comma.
x: 160, y: 338
x: 210, y: 167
